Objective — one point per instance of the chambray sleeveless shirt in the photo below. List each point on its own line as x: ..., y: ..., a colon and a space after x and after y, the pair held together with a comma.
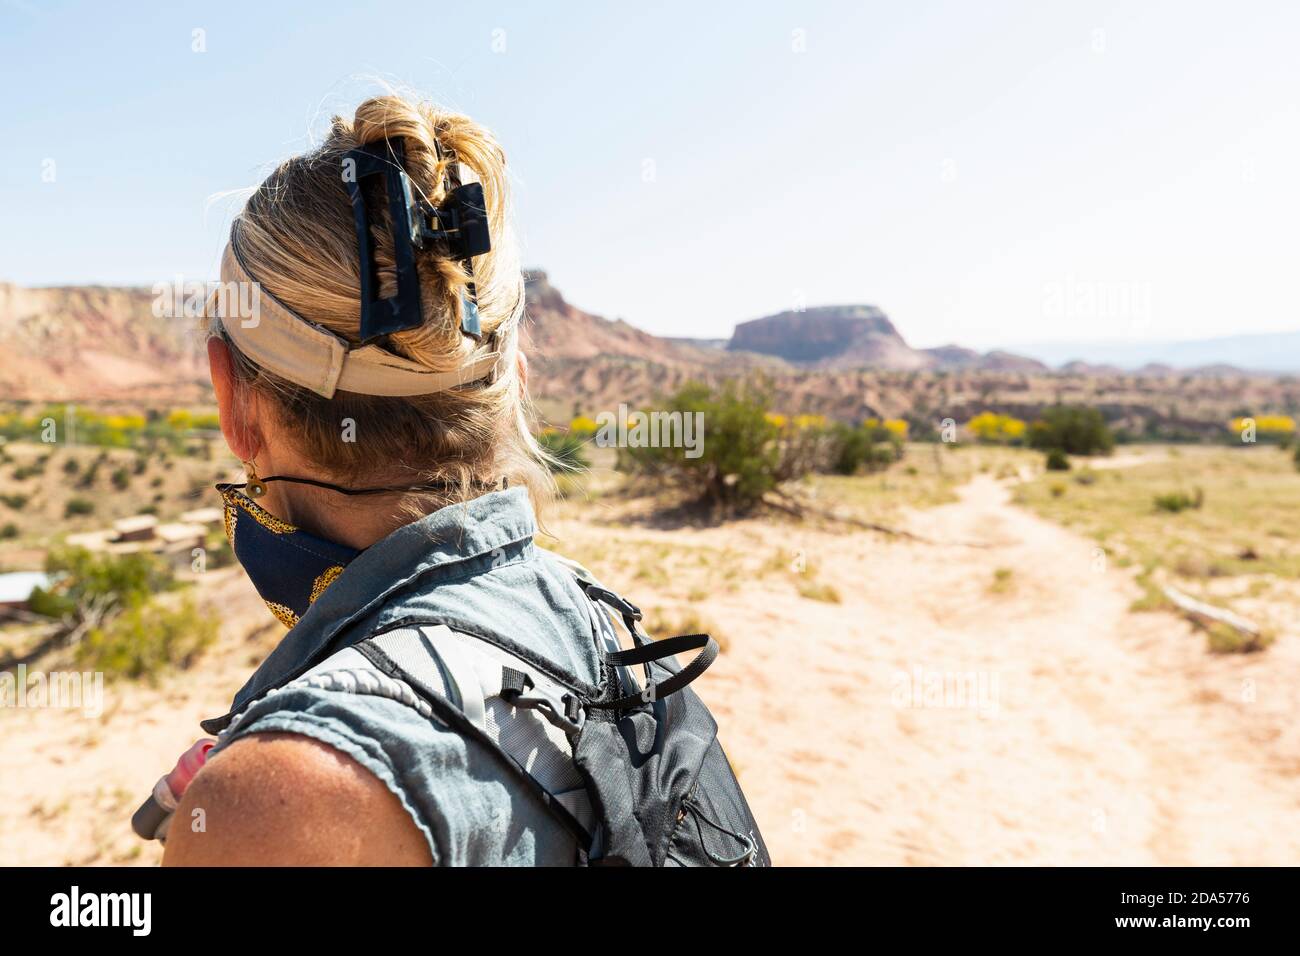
x: 467, y: 566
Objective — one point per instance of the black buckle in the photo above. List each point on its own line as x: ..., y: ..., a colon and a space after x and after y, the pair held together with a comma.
x: 622, y: 605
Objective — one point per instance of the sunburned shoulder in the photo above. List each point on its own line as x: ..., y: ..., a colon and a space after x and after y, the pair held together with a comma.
x: 282, y: 799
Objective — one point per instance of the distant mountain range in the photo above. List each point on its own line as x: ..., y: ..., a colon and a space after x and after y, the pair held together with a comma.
x: 95, y: 343
x: 1269, y: 352
x: 862, y: 336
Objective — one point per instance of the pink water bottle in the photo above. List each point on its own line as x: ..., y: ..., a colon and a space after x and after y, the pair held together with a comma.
x: 149, y: 820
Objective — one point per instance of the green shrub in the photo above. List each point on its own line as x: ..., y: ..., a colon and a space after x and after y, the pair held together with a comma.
x: 1073, y: 429
x: 566, y: 450
x: 1223, y: 639
x: 853, y: 449
x: 71, y: 466
x: 9, y: 531
x: 121, y: 479
x: 868, y: 446
x: 144, y: 640
x: 15, y: 501
x: 1176, y: 501
x: 1057, y: 460
x: 78, y: 506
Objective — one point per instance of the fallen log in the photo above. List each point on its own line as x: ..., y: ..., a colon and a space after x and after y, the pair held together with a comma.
x: 1206, y: 614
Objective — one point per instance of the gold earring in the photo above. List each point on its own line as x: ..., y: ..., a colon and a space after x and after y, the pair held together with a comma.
x: 254, y: 487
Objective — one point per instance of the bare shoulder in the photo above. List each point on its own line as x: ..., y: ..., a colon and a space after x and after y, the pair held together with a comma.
x: 289, y: 800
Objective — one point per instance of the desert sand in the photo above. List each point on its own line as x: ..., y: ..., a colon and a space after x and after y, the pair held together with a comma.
x: 1094, y: 735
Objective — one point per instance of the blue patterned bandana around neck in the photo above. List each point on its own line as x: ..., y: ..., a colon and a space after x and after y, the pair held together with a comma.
x: 289, y: 567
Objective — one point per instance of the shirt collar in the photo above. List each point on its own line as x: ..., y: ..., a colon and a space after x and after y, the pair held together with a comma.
x: 453, y: 535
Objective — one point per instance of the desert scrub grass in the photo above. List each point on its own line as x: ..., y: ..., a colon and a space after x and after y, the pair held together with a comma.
x: 1249, y: 497
x: 1247, y: 528
x: 819, y: 591
x: 1222, y: 639
x: 1152, y: 599
x: 146, y: 640
x: 784, y: 561
x: 670, y: 621
x: 651, y: 571
x: 795, y: 566
x: 931, y: 477
x: 1004, y: 580
x: 1177, y: 501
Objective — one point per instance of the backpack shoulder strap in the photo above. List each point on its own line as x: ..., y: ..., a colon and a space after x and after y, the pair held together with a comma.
x: 500, y: 700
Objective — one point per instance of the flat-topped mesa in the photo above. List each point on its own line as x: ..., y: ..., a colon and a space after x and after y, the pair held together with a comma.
x: 816, y: 334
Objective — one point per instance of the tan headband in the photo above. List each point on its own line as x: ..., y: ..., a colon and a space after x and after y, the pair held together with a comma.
x: 278, y: 340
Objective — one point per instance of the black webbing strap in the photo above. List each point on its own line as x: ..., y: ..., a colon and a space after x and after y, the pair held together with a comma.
x: 657, y: 651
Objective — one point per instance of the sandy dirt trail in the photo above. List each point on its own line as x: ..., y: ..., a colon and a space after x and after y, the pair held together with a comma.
x: 1094, y: 735
x: 1086, y: 734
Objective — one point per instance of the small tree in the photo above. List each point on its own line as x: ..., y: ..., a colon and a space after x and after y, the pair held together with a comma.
x: 1073, y: 429
x: 740, y: 455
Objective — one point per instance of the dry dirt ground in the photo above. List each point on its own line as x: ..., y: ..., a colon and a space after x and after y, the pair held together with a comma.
x: 943, y: 712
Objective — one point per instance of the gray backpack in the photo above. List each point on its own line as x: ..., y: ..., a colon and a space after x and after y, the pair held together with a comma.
x: 633, y: 769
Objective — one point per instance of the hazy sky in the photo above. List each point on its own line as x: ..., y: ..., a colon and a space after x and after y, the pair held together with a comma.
x: 987, y: 173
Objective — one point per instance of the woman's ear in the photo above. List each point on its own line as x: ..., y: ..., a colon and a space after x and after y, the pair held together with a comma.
x: 237, y: 424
